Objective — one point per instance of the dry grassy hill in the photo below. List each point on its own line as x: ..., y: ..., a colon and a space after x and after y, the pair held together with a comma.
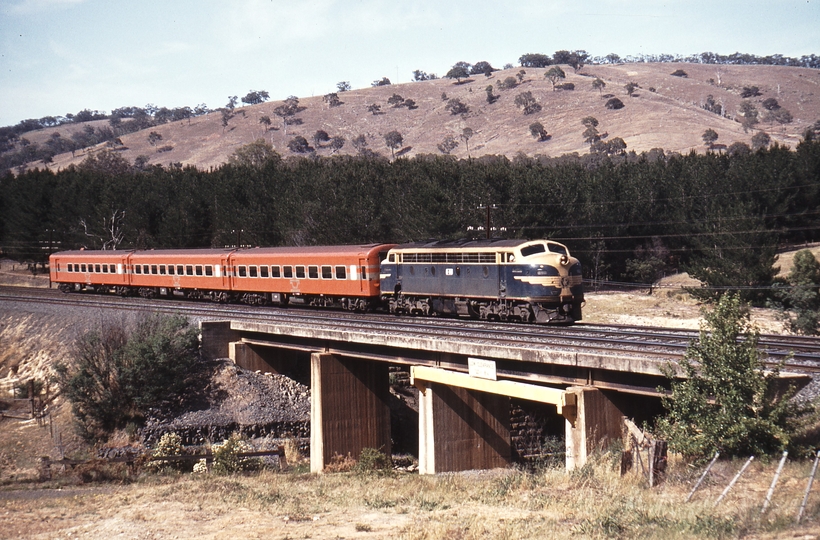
x: 670, y: 117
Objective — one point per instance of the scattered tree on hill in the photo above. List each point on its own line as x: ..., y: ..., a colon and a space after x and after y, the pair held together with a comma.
x: 630, y: 88
x: 561, y: 57
x: 554, y: 74
x: 287, y: 111
x: 520, y: 75
x: 265, y: 121
x: 482, y: 68
x: 461, y: 70
x: 343, y: 86
x: 613, y: 58
x: 537, y: 130
x: 749, y: 113
x: 614, y: 104
x: 299, y: 145
x: 760, y: 140
x: 781, y: 116
x: 577, y: 59
x: 491, y: 98
x: 410, y: 104
x: 466, y: 135
x: 254, y: 155
x: 374, y: 109
x: 713, y: 106
x: 534, y: 60
x: 395, y: 100
x: 320, y: 137
x: 384, y: 81
x: 255, y: 97
x: 770, y: 104
x: 226, y: 117
x: 709, y: 137
x: 154, y: 138
x: 591, y: 132
x: 336, y: 144
x: 599, y: 85
x: 332, y: 99
x: 360, y: 143
x: 456, y: 106
x: 526, y: 101
x: 507, y: 83
x: 393, y: 140
x: 447, y: 145
x: 738, y: 148
x: 750, y: 91
x: 727, y: 398
x: 679, y: 73
x: 419, y: 75
x: 231, y: 105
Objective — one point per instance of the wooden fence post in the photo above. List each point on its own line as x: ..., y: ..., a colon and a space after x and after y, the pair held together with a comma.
x: 657, y: 462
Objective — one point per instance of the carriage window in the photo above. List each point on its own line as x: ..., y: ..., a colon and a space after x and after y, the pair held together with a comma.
x: 180, y: 270
x: 104, y: 269
x: 137, y: 269
x: 364, y: 273
x: 532, y: 250
x: 145, y: 269
x: 162, y: 269
x: 253, y: 271
x: 243, y: 271
x: 313, y: 272
x: 97, y: 268
x: 327, y: 272
x: 189, y: 270
x: 288, y: 271
x: 199, y: 269
x: 274, y: 271
x: 300, y: 272
x: 341, y: 272
x: 171, y: 269
x: 263, y: 271
x: 154, y: 269
x: 209, y: 270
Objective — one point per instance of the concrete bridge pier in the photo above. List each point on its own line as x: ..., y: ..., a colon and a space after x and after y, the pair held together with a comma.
x: 592, y: 424
x: 462, y: 429
x: 349, y: 408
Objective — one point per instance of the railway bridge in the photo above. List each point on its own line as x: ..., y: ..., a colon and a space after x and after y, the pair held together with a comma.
x: 466, y: 374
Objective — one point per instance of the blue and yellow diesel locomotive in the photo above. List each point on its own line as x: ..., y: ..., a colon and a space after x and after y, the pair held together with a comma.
x: 504, y: 280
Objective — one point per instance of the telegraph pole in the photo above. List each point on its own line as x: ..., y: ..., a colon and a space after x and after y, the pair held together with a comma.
x: 488, y: 207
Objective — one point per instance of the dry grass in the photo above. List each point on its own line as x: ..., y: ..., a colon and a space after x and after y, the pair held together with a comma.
x: 671, y: 117
x: 591, y: 503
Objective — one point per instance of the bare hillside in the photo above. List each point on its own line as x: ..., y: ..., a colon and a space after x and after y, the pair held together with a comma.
x: 665, y: 112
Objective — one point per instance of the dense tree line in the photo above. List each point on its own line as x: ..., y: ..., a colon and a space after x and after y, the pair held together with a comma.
x: 628, y: 217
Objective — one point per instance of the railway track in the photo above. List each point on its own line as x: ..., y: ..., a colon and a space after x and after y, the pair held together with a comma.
x: 797, y: 353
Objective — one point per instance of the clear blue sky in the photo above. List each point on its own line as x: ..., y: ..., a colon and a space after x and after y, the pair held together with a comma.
x: 61, y: 56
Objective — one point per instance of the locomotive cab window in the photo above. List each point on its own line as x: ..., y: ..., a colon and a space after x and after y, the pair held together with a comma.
x: 341, y: 272
x: 533, y: 250
x: 274, y: 271
x: 253, y: 271
x: 300, y: 272
x: 199, y: 269
x: 557, y: 248
x: 263, y: 271
x: 209, y: 270
x: 287, y: 271
x: 327, y: 272
x: 391, y: 258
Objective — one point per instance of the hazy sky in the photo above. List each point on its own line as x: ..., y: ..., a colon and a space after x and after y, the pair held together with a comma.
x: 61, y: 56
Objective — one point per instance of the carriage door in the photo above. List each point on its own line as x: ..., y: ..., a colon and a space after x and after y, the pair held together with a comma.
x: 222, y: 272
x: 364, y: 276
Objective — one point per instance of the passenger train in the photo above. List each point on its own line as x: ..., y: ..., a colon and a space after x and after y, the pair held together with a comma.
x: 505, y: 280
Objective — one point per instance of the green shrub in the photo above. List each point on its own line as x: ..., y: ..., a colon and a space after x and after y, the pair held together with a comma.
x: 227, y: 459
x: 726, y: 400
x: 116, y: 373
x: 372, y: 460
x: 170, y: 444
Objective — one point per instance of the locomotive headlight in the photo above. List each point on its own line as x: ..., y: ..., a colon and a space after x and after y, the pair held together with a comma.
x: 564, y: 260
